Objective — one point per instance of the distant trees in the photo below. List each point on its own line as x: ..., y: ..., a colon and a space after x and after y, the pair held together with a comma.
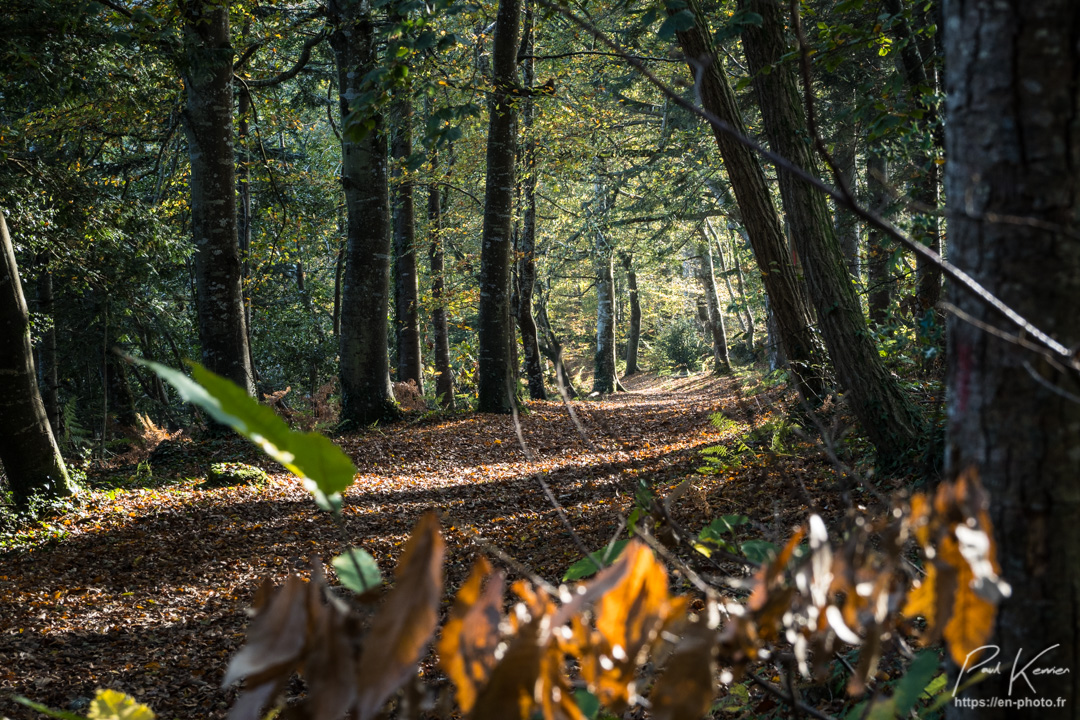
x: 28, y: 450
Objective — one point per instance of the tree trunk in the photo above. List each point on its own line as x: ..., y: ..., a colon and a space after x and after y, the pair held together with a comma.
x: 28, y: 448
x: 744, y: 298
x: 526, y: 267
x: 714, y: 316
x: 633, y: 334
x: 752, y: 194
x: 714, y: 244
x: 553, y: 350
x: 496, y: 334
x: 925, y: 186
x: 844, y: 221
x: 50, y: 382
x: 887, y: 415
x: 444, y: 377
x: 406, y: 284
x: 1013, y: 150
x: 366, y: 394
x: 604, y: 374
x: 880, y: 283
x: 208, y: 122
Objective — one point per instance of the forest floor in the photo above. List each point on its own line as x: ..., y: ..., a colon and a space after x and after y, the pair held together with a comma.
x: 143, y: 588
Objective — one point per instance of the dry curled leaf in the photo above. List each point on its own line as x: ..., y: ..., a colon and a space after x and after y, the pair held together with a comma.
x: 471, y: 633
x: 405, y: 622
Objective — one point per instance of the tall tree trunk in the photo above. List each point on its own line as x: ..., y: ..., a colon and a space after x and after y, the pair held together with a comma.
x: 444, y: 377
x: 880, y: 283
x: 633, y: 334
x: 927, y: 178
x: 744, y: 299
x: 714, y: 240
x: 208, y: 122
x: 553, y: 350
x: 604, y: 374
x: 845, y: 222
x: 1012, y: 103
x: 28, y: 448
x: 406, y: 283
x: 714, y: 316
x: 752, y: 194
x: 887, y: 415
x: 526, y: 267
x: 496, y: 333
x: 50, y: 382
x: 366, y: 393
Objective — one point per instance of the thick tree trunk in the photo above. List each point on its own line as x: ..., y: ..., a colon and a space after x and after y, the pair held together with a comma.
x: 28, y: 448
x: 494, y: 383
x: 633, y: 334
x: 50, y: 382
x: 526, y: 267
x: 880, y: 283
x: 1013, y: 150
x: 887, y: 415
x: 406, y: 283
x: 366, y: 393
x: 752, y: 194
x: 924, y: 191
x: 208, y: 122
x: 444, y: 377
x: 714, y: 316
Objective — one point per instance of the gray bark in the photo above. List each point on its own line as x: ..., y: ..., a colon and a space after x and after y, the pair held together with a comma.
x: 1013, y: 149
x: 526, y: 266
x: 406, y: 282
x: 633, y: 334
x: 366, y: 393
x: 28, y: 448
x: 444, y: 377
x: 713, y: 314
x: 494, y: 375
x: 880, y: 282
x: 208, y: 122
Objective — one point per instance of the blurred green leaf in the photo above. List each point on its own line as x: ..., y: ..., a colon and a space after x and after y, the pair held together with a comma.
x: 357, y: 570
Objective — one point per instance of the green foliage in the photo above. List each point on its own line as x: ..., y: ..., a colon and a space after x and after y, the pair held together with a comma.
x: 682, y: 346
x: 226, y: 474
x: 587, y: 566
x: 357, y: 570
x: 325, y: 469
x: 107, y: 705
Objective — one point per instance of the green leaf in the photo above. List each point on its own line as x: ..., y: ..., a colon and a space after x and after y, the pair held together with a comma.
x: 759, y: 551
x: 324, y: 468
x: 588, y: 703
x: 682, y: 20
x: 585, y: 567
x: 346, y: 565
x: 45, y: 710
x: 916, y: 681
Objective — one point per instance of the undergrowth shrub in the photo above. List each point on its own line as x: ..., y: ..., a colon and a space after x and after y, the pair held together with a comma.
x: 681, y: 345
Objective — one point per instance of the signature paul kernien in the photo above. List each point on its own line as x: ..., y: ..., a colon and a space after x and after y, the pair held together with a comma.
x: 1017, y: 671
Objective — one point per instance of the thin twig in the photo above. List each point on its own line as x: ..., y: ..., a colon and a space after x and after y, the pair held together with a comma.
x: 781, y: 695
x: 543, y: 483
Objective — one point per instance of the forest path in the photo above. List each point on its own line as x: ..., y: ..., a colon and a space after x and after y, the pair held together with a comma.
x: 146, y: 591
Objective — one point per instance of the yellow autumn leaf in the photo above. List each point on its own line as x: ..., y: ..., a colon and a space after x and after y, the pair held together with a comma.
x: 114, y: 705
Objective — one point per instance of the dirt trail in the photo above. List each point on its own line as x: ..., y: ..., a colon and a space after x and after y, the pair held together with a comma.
x: 146, y: 593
